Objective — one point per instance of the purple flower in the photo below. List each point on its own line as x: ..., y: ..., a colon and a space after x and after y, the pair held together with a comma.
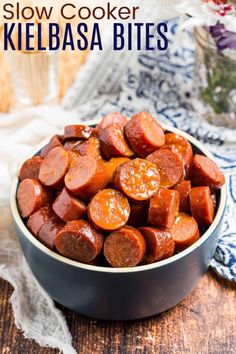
x: 224, y: 39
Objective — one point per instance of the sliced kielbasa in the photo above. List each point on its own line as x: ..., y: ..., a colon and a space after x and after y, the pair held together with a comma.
x: 39, y: 218
x: 144, y: 134
x: 31, y: 196
x: 49, y: 230
x: 113, y: 164
x: 170, y: 166
x: 184, y: 188
x: 79, y: 132
x: 69, y: 208
x: 112, y: 118
x: 54, y: 167
x: 138, y: 213
x: 55, y: 141
x: 30, y: 168
x: 182, y: 145
x: 86, y: 176
x: 205, y: 172
x: 113, y: 142
x: 109, y: 210
x: 79, y: 241
x: 90, y: 147
x: 202, y: 206
x: 72, y: 145
x: 185, y: 231
x: 164, y: 207
x: 125, y: 247
x: 138, y: 179
x: 159, y: 244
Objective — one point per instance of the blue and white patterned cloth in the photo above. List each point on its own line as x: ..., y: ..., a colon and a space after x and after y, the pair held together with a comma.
x: 162, y: 84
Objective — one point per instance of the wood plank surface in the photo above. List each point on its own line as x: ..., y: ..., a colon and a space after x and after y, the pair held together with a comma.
x: 205, y: 322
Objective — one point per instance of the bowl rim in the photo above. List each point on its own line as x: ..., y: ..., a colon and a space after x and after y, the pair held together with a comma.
x: 160, y: 264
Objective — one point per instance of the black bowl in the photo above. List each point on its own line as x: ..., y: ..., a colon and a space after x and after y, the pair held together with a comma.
x: 121, y: 293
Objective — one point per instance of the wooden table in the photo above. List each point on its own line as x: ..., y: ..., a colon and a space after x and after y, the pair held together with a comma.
x: 203, y: 323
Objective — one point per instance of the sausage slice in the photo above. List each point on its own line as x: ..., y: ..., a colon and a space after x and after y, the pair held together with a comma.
x: 185, y: 231
x: 86, y: 176
x: 31, y: 196
x: 183, y: 147
x: 54, y: 167
x: 112, y: 118
x: 144, y: 134
x: 159, y: 242
x: 170, y: 166
x: 125, y: 247
x: 113, y: 142
x: 138, y: 179
x: 79, y: 241
x: 79, y: 132
x: 30, y: 168
x: 164, y: 208
x: 55, y: 141
x: 184, y: 188
x: 113, y: 164
x: 69, y: 208
x: 202, y: 206
x: 49, y: 230
x: 205, y: 172
x: 39, y: 218
x: 90, y: 147
x: 72, y: 145
x: 109, y: 210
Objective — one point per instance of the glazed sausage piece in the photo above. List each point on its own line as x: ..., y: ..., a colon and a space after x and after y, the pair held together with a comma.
x: 113, y: 142
x: 144, y: 134
x: 109, y: 210
x: 40, y: 217
x: 184, y: 188
x: 202, y: 206
x: 112, y: 118
x: 55, y: 141
x: 90, y: 147
x: 113, y: 164
x: 159, y: 243
x: 49, y: 230
x: 169, y: 165
x: 138, y: 213
x: 125, y: 247
x: 138, y: 179
x: 79, y: 241
x: 183, y: 147
x: 54, y: 167
x: 205, y: 172
x: 31, y: 196
x: 164, y: 208
x: 72, y: 145
x: 30, y: 168
x: 79, y: 132
x: 185, y: 231
x: 69, y: 208
x: 86, y: 176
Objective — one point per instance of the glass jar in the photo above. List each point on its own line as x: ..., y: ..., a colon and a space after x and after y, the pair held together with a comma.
x: 35, y: 76
x: 215, y: 81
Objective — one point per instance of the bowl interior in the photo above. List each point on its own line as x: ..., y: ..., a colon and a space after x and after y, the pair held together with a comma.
x: 221, y: 199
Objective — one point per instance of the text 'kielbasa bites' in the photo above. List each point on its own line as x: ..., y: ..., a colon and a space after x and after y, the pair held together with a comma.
x: 144, y: 134
x: 138, y: 179
x: 109, y: 210
x: 79, y: 241
x: 125, y: 247
x: 122, y: 194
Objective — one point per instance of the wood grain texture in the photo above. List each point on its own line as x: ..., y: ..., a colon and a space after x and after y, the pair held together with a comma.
x: 205, y: 322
